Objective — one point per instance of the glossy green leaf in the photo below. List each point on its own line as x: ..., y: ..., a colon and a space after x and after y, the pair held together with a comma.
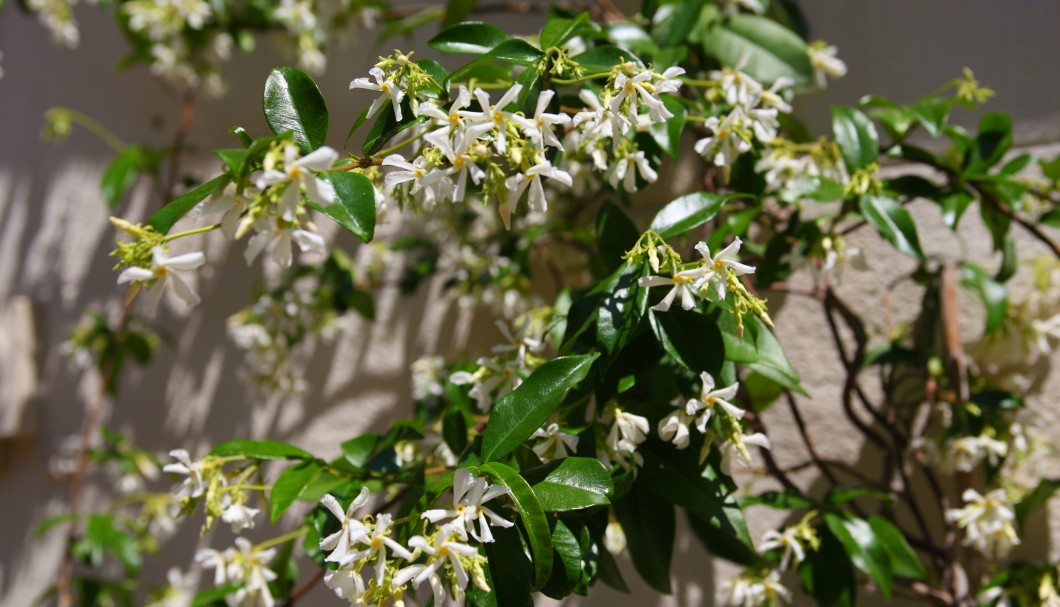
x: 354, y: 208
x: 813, y: 187
x: 387, y: 126
x: 600, y: 59
x: 953, y: 206
x: 781, y: 500
x: 233, y: 160
x: 865, y: 551
x: 992, y: 294
x: 992, y: 141
x: 522, y: 411
x: 648, y: 523
x: 260, y: 449
x: 621, y: 308
x: 893, y: 222
x: 120, y: 174
x: 615, y: 234
x: 511, y: 573
x: 292, y: 102
x: 571, y: 483
x: 1051, y: 218
x: 688, y: 212
x: 515, y: 50
x: 828, y: 574
x: 842, y: 495
x: 557, y: 31
x: 856, y: 136
x: 566, y: 562
x: 765, y: 49
x: 758, y: 350
x: 534, y: 521
x: 690, y: 338
x: 904, y: 561
x: 471, y: 37
x: 163, y: 219
x: 932, y: 113
x: 289, y: 487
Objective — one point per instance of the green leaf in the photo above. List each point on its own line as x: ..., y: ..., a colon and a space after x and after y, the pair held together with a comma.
x: 457, y: 10
x: 615, y: 234
x: 213, y: 596
x: 904, y: 561
x: 260, y: 449
x: 1051, y: 218
x: 163, y: 219
x: 688, y: 212
x: 893, y: 222
x: 953, y: 206
x: 993, y: 294
x: 522, y: 411
x: 766, y: 49
x: 471, y: 37
x: 567, y: 562
x: 840, y: 495
x: 759, y: 350
x: 1035, y: 500
x: 856, y: 136
x: 991, y: 143
x: 819, y: 189
x: 668, y: 134
x: 865, y: 551
x: 571, y: 483
x: 534, y: 521
x: 289, y: 487
x: 781, y: 500
x: 690, y: 338
x: 621, y: 308
x: 648, y: 523
x: 510, y: 572
x: 932, y: 113
x: 828, y: 574
x: 515, y: 51
x: 354, y: 208
x: 600, y: 59
x: 685, y: 18
x: 233, y: 160
x: 557, y: 31
x: 293, y: 103
x: 120, y: 174
x: 387, y: 126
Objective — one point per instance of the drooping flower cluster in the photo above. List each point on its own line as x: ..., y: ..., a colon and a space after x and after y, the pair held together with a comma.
x: 221, y: 494
x: 245, y: 564
x: 441, y: 556
x: 511, y: 362
x: 751, y: 115
x: 987, y: 522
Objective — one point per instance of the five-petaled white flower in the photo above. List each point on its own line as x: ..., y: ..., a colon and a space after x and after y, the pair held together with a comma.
x: 717, y: 265
x: 495, y: 114
x: 445, y: 549
x: 532, y: 179
x: 787, y: 541
x: 193, y: 486
x: 351, y: 530
x: 683, y: 284
x: 162, y: 272
x: 239, y: 516
x: 626, y: 171
x: 539, y: 128
x: 296, y: 172
x: 389, y: 89
x: 709, y: 398
x: 555, y: 444
x: 377, y: 541
x: 726, y: 143
x: 469, y: 495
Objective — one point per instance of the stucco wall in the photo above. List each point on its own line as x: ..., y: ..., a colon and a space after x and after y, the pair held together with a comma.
x: 54, y: 238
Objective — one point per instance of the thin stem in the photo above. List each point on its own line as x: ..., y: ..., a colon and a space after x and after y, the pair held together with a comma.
x: 187, y: 114
x: 192, y: 232
x: 276, y: 541
x: 96, y: 128
x: 582, y: 79
x: 398, y: 146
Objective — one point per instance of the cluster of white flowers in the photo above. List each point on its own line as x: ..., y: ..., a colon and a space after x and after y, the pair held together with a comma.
x: 58, y: 17
x: 627, y: 431
x: 162, y: 272
x: 428, y: 377
x: 756, y: 589
x: 205, y: 480
x: 752, y: 115
x: 966, y: 453
x: 688, y: 284
x: 987, y: 522
x: 245, y: 564
x: 504, y: 371
x: 554, y: 443
x: 826, y: 64
x: 442, y: 557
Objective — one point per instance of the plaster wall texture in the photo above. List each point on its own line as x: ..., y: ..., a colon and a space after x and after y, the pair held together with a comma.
x: 54, y: 238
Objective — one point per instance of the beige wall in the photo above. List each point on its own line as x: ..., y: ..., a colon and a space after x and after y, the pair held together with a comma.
x: 54, y: 239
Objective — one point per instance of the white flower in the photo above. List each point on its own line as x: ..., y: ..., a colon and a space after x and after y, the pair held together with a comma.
x: 554, y: 444
x: 179, y: 592
x: 469, y: 495
x: 443, y: 550
x: 532, y: 179
x: 709, y: 398
x: 750, y: 589
x: 598, y: 121
x: 966, y: 453
x: 278, y: 239
x: 787, y: 541
x: 251, y: 566
x: 674, y: 428
x: 427, y: 377
x: 162, y: 272
x: 739, y: 89
x: 193, y: 486
x: 458, y: 153
x: 495, y: 114
x: 717, y: 266
x: 626, y: 170
x: 296, y: 172
x: 389, y: 89
x: 633, y: 89
x: 736, y: 446
x: 825, y: 63
x: 539, y: 128
x: 627, y: 432
x: 726, y: 144
x: 377, y: 541
x: 346, y: 583
x: 490, y: 376
x: 351, y: 530
x: 682, y: 282
x: 239, y: 516
x: 406, y: 171
x: 213, y: 559
x: 518, y: 341
x: 987, y: 522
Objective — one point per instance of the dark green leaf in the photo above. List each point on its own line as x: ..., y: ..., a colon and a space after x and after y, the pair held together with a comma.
x: 648, y: 523
x: 566, y: 562
x: 601, y: 59
x: 828, y: 574
x: 355, y: 207
x: 856, y: 136
x: 819, y: 189
x: 893, y: 222
x: 991, y: 143
x: 120, y: 174
x: 289, y: 487
x: 692, y: 339
x: 557, y: 31
x: 953, y: 206
x: 621, y: 308
x: 780, y: 500
x: 457, y: 10
x: 519, y: 52
x: 615, y: 234
x: 214, y: 596
x: 163, y: 219
x: 993, y: 294
x: 1034, y: 500
x: 471, y: 37
x: 387, y: 126
x: 766, y: 49
x: 860, y: 543
x: 260, y: 449
x: 687, y: 212
x: 522, y: 411
x: 571, y: 483
x: 1051, y: 218
x: 932, y: 113
x: 534, y: 521
x: 759, y: 350
x: 510, y: 572
x: 293, y: 103
x: 233, y: 159
x: 904, y: 561
x: 838, y: 495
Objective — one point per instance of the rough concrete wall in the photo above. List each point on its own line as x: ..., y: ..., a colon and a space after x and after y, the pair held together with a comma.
x: 54, y: 238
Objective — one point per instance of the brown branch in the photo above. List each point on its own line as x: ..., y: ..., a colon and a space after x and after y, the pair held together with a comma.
x: 187, y: 114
